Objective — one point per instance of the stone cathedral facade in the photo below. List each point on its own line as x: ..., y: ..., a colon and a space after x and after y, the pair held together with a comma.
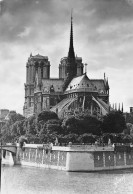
x: 72, y: 92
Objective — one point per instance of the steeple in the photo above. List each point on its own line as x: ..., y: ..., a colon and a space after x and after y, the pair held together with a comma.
x: 71, y: 67
x: 71, y: 53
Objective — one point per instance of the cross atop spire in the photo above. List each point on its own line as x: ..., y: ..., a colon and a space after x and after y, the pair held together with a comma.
x: 71, y: 53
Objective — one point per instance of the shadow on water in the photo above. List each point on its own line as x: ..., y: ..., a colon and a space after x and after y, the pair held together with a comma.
x: 104, y: 172
x: 113, y: 171
x: 117, y: 171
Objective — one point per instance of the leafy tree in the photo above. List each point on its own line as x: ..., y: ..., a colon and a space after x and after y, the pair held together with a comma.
x: 47, y: 115
x: 30, y: 125
x: 129, y: 129
x: 53, y: 125
x: 70, y: 138
x: 82, y: 123
x: 129, y: 118
x: 33, y: 138
x: 86, y: 138
x: 13, y: 117
x: 50, y: 130
x: 13, y: 127
x: 127, y: 139
x: 114, y: 122
x: 69, y: 125
x: 6, y: 133
x: 88, y: 124
x: 17, y: 129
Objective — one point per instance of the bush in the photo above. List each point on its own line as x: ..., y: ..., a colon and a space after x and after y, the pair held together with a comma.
x: 70, y: 138
x: 86, y: 138
x: 46, y: 115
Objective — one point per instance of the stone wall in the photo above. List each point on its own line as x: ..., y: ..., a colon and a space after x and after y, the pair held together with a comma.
x: 75, y: 158
x: 110, y: 159
x: 44, y: 157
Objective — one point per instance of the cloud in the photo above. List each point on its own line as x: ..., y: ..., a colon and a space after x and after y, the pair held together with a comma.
x: 111, y: 9
x: 26, y: 32
x: 130, y: 2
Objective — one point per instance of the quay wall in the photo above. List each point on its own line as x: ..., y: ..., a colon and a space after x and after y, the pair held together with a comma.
x: 75, y: 158
x: 42, y: 157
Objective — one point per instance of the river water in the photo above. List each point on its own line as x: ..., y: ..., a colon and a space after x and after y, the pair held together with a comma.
x: 31, y: 180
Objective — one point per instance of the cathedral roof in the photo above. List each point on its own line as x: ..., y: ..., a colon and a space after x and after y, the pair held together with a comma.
x: 56, y: 84
x: 81, y: 83
x: 99, y: 83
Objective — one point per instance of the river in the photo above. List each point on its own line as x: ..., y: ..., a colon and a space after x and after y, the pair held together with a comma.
x: 29, y: 180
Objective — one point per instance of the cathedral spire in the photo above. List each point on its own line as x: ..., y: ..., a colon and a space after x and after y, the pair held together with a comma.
x: 71, y: 53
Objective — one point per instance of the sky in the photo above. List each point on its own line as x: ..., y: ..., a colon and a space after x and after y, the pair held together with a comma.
x: 103, y: 37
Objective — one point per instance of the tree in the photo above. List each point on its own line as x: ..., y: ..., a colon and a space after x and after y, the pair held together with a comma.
x: 54, y: 125
x: 30, y: 125
x: 129, y: 129
x: 13, y: 127
x: 114, y: 122
x: 17, y: 129
x: 86, y: 138
x: 70, y: 138
x: 69, y: 125
x: 50, y: 130
x: 6, y: 133
x: 82, y: 123
x: 47, y: 115
x: 13, y: 117
x: 129, y: 118
x: 88, y: 124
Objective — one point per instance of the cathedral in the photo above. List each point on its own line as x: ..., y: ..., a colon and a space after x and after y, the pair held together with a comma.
x: 72, y: 92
